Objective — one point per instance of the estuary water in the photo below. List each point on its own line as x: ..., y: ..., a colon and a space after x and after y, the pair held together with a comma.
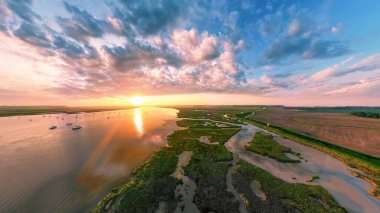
x: 65, y: 170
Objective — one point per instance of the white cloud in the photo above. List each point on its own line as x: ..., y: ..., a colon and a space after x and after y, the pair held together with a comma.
x: 334, y: 30
x: 294, y: 27
x: 195, y: 47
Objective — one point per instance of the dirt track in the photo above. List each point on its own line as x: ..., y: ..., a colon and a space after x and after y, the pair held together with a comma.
x: 362, y: 134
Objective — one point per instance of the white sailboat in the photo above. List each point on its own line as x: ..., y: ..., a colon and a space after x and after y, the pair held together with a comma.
x: 76, y: 127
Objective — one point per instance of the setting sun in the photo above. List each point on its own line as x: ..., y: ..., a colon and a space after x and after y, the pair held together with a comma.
x: 137, y: 100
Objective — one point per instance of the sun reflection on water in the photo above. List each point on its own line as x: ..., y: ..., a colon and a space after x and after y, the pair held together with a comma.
x: 138, y: 121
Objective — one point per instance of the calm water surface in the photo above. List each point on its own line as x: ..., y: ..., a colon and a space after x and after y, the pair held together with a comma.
x: 62, y: 170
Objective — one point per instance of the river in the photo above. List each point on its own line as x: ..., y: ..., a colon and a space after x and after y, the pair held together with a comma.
x: 65, y: 170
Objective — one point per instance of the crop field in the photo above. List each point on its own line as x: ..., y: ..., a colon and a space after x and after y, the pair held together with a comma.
x: 344, y: 109
x: 343, y: 129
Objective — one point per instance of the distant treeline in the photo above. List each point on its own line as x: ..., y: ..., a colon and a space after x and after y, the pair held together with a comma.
x: 366, y: 114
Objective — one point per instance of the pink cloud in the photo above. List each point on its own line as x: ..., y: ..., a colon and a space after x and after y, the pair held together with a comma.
x: 194, y: 47
x: 360, y: 87
x: 322, y: 74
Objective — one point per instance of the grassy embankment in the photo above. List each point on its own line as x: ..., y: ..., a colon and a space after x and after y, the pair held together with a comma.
x: 365, y: 163
x: 151, y: 183
x: 264, y: 144
x: 17, y: 111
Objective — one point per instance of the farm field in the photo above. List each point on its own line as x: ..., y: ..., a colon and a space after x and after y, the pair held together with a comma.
x: 343, y: 129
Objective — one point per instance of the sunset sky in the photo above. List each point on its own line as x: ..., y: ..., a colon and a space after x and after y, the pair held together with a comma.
x: 95, y: 52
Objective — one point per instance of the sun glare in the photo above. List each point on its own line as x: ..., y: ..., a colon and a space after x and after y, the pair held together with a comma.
x: 137, y: 100
x: 138, y: 122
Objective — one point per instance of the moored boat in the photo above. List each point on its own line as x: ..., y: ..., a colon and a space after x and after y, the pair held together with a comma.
x: 76, y: 128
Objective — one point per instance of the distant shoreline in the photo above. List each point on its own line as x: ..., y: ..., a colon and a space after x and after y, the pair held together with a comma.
x: 8, y: 111
x: 23, y: 111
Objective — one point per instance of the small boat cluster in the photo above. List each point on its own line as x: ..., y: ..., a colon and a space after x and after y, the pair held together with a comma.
x: 75, y: 127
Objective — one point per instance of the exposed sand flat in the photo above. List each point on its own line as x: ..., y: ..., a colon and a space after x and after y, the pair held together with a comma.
x: 230, y: 187
x: 183, y: 160
x: 348, y: 190
x: 207, y: 124
x: 221, y: 125
x: 162, y: 207
x: 256, y: 188
x: 185, y: 191
x: 206, y: 139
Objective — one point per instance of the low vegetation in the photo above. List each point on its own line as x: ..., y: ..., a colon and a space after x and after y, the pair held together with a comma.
x: 203, y: 123
x: 226, y: 114
x: 150, y: 184
x: 366, y: 114
x: 264, y: 144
